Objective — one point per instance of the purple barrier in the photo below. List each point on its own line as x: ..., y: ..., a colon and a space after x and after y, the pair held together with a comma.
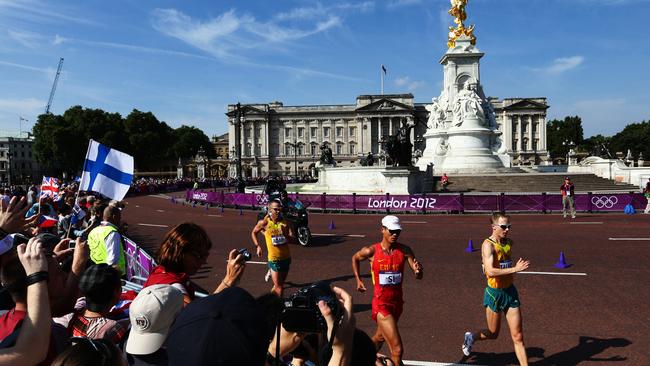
x: 433, y: 202
x: 138, y: 262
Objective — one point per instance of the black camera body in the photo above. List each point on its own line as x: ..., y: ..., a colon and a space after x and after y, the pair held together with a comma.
x: 301, y: 313
x: 245, y: 253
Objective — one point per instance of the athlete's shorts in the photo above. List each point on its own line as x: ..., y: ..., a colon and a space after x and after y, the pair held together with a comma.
x: 385, y: 309
x: 501, y: 299
x: 281, y: 265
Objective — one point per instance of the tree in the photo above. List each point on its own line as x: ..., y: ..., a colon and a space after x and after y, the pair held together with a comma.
x: 149, y: 139
x: 635, y: 137
x: 188, y: 140
x: 561, y: 133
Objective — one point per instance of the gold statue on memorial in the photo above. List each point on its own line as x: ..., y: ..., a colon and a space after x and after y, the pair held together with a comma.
x: 458, y: 12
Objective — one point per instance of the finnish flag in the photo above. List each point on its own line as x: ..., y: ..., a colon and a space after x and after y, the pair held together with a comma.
x: 106, y: 171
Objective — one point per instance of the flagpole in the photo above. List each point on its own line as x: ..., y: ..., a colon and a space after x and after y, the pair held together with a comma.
x: 381, y: 72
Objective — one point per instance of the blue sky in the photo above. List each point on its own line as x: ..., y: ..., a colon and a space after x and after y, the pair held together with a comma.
x: 186, y: 60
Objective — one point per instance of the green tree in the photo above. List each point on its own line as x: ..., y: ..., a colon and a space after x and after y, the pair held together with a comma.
x: 188, y: 139
x: 561, y: 133
x: 149, y: 139
x: 635, y: 137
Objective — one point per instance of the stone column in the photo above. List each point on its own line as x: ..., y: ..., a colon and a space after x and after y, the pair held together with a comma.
x: 519, y: 133
x: 507, y: 131
x: 530, y: 132
x: 542, y: 132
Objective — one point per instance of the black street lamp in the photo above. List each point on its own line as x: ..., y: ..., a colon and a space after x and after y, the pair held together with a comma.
x: 295, y: 145
x: 569, y: 144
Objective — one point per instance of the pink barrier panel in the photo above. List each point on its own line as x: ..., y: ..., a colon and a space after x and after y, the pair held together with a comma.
x: 523, y: 202
x: 480, y: 203
x: 425, y: 203
x: 138, y: 262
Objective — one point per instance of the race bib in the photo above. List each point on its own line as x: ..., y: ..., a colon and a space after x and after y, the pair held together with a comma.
x: 278, y: 240
x: 390, y: 278
x: 568, y: 193
x: 505, y: 264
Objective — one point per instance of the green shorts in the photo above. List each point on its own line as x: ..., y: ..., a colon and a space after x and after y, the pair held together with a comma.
x: 501, y: 299
x: 280, y: 266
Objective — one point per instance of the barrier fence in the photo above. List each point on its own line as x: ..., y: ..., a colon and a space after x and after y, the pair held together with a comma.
x: 138, y: 262
x: 424, y: 203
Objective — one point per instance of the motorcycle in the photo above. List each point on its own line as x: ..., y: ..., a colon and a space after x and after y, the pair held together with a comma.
x: 297, y: 214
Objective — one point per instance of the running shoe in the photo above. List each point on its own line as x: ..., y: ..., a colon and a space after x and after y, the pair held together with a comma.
x: 267, y: 276
x: 573, y: 216
x: 467, y: 343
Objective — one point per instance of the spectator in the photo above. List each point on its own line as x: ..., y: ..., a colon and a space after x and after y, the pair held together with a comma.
x: 152, y: 313
x: 105, y: 241
x: 184, y: 250
x: 6, y: 195
x: 32, y: 343
x: 90, y: 352
x: 444, y: 181
x: 646, y: 192
x: 101, y: 286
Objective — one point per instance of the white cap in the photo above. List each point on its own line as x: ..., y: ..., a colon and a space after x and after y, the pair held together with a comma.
x: 152, y: 313
x: 391, y: 222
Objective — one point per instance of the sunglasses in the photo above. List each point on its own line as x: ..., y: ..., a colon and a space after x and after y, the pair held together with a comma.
x: 394, y: 232
x: 504, y: 227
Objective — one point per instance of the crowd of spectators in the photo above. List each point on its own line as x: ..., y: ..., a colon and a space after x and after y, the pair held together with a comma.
x: 62, y: 300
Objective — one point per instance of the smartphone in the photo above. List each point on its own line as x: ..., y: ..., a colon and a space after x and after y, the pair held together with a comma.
x: 71, y: 243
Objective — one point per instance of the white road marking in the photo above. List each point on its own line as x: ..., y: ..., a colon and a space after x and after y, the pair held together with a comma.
x: 555, y: 273
x: 164, y: 196
x: 630, y: 239
x: 586, y: 222
x: 427, y: 363
x: 254, y: 262
x: 348, y: 235
x: 414, y: 222
x: 160, y: 210
x: 153, y: 225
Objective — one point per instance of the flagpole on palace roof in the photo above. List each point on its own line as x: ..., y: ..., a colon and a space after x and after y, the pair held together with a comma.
x: 382, y: 71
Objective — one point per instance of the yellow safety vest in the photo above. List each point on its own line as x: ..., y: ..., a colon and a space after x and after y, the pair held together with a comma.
x: 97, y: 246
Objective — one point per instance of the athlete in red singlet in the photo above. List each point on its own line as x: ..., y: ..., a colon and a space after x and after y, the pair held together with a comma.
x: 387, y: 260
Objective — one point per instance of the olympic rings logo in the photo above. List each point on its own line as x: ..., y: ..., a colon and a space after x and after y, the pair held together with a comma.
x: 604, y: 201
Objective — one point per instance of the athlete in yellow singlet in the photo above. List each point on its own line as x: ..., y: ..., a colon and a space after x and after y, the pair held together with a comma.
x: 500, y: 295
x: 277, y: 235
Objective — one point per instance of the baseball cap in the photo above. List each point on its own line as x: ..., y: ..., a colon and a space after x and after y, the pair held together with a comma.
x: 391, y: 222
x: 152, y: 313
x: 228, y: 328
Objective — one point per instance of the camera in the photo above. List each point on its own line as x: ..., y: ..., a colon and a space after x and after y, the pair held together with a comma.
x: 244, y: 253
x: 301, y: 312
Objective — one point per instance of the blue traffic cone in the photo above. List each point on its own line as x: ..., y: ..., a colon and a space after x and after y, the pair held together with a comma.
x: 562, y: 262
x: 221, y: 208
x: 193, y: 204
x: 241, y: 212
x: 331, y: 225
x: 470, y: 246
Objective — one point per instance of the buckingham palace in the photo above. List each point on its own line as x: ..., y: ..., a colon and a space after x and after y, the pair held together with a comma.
x: 285, y: 140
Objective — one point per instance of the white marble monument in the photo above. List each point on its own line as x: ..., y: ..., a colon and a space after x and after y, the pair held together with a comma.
x: 462, y: 134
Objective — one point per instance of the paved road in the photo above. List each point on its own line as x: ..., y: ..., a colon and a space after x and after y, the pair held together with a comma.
x: 600, y: 318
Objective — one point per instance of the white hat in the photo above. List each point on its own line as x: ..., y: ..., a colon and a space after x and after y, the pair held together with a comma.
x: 152, y: 313
x: 391, y: 222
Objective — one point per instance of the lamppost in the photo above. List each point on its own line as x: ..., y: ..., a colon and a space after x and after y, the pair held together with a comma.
x: 294, y: 146
x: 569, y: 144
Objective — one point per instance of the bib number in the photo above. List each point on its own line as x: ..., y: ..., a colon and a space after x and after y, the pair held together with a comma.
x: 505, y: 264
x: 278, y: 240
x: 390, y: 278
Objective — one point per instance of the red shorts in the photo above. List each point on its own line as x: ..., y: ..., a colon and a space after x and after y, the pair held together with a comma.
x: 386, y: 308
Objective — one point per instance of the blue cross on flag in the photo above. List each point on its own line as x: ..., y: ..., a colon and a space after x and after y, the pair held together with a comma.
x: 106, y: 171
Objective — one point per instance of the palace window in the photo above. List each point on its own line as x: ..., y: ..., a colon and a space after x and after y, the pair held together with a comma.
x: 326, y: 132
x: 287, y: 132
x: 339, y: 148
x: 314, y: 149
x: 301, y: 132
x: 301, y: 149
x: 352, y: 131
x: 339, y: 132
x: 247, y: 151
x: 514, y: 144
x: 353, y: 149
x: 275, y: 149
x: 287, y: 150
x: 314, y: 130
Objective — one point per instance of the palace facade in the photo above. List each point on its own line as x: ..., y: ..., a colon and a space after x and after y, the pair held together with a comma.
x: 285, y: 140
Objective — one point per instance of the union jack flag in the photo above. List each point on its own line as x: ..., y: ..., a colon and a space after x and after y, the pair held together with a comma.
x: 50, y: 187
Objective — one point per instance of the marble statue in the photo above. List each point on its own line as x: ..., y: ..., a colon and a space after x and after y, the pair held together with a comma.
x: 437, y: 114
x: 468, y: 105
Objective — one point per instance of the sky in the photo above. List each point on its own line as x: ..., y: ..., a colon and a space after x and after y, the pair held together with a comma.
x: 185, y: 61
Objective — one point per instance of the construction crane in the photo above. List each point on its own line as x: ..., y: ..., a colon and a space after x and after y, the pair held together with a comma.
x: 56, y: 80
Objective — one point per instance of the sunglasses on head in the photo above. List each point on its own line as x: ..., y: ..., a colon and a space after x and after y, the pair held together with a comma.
x: 506, y: 226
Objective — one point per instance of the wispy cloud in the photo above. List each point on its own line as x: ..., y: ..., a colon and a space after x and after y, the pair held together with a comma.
x: 562, y: 64
x: 408, y: 84
x: 28, y: 67
x: 37, y: 11
x: 27, y: 106
x: 25, y: 38
x: 400, y: 3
